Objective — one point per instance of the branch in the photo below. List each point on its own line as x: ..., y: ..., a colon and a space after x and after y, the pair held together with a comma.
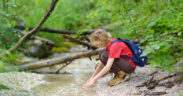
x: 34, y: 30
x: 169, y: 33
x: 53, y: 30
x: 79, y: 42
x: 151, y: 83
x: 42, y: 72
x: 62, y: 67
x: 48, y: 42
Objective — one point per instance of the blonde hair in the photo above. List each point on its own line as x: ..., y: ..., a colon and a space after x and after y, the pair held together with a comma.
x: 100, y: 38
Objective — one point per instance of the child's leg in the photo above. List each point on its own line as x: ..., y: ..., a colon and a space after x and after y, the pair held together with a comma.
x: 124, y: 74
x: 124, y: 65
x: 121, y: 68
x: 118, y: 65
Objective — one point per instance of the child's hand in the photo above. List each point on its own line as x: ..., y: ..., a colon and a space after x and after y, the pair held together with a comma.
x: 89, y: 84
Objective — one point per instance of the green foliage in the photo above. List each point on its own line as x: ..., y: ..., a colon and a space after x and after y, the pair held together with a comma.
x: 6, y: 61
x: 129, y: 19
x: 8, y: 18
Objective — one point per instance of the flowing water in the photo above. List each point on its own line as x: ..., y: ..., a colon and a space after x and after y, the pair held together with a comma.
x: 68, y: 84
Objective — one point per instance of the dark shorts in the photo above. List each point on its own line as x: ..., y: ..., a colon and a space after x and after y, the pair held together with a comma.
x: 118, y: 65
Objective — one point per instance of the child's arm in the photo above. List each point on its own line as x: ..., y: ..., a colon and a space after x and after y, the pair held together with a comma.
x: 99, y: 67
x: 101, y: 73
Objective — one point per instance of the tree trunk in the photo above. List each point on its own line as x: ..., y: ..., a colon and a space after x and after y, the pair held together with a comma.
x: 53, y: 30
x: 33, y: 31
x: 58, y: 60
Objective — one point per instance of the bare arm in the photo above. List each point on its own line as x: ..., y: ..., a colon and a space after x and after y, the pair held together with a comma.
x: 100, y: 74
x: 99, y: 67
x: 105, y: 69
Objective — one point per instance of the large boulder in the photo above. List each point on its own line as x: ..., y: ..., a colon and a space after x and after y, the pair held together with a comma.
x: 37, y: 48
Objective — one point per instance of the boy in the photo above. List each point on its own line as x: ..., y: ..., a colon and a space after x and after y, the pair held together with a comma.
x: 112, y: 59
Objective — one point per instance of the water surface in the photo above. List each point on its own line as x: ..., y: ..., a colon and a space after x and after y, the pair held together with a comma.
x: 68, y: 84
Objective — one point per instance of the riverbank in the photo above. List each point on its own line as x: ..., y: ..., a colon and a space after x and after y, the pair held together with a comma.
x: 129, y: 88
x: 31, y: 84
x: 20, y: 83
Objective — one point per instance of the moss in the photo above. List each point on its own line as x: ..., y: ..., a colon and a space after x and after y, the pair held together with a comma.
x: 59, y: 49
x: 67, y: 44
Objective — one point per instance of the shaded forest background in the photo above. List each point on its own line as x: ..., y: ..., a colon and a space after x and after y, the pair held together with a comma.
x: 157, y: 24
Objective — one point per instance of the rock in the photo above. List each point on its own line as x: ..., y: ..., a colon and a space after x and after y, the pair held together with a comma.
x: 37, y: 48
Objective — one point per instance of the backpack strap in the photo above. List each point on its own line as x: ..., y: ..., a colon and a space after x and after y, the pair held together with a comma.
x: 125, y: 56
x: 118, y: 40
x: 122, y: 40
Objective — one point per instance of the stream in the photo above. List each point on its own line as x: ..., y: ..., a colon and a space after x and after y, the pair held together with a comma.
x: 68, y: 84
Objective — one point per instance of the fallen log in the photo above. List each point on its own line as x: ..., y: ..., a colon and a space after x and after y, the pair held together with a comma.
x: 79, y: 42
x: 58, y: 60
x: 53, y: 30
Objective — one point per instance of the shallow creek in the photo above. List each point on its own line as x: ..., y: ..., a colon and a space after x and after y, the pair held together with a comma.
x: 68, y: 84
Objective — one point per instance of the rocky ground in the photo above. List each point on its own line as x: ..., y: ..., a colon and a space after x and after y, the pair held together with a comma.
x: 137, y: 78
x: 20, y: 83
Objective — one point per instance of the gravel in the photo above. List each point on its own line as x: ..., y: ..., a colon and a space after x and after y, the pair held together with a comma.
x: 20, y: 83
x: 129, y: 88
